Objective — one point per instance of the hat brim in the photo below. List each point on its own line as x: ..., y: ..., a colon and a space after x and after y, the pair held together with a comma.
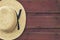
x: 22, y: 20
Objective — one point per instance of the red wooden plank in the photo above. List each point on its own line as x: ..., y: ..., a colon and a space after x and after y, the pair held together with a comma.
x: 40, y: 5
x: 43, y: 20
x: 42, y: 30
x: 39, y: 36
x: 58, y: 4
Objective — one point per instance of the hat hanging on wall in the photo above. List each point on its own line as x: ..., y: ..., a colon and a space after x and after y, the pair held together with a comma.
x: 12, y: 19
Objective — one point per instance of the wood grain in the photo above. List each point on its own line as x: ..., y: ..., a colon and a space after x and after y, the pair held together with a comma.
x: 43, y: 20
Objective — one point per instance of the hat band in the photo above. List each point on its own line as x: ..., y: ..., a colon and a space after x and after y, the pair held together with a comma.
x: 18, y: 16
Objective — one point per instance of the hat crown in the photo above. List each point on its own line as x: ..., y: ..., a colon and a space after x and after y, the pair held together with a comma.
x: 8, y: 19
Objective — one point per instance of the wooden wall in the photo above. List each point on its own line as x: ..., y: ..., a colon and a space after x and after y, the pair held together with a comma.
x: 43, y: 20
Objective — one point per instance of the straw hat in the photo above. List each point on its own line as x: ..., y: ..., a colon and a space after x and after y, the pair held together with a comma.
x: 12, y: 19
